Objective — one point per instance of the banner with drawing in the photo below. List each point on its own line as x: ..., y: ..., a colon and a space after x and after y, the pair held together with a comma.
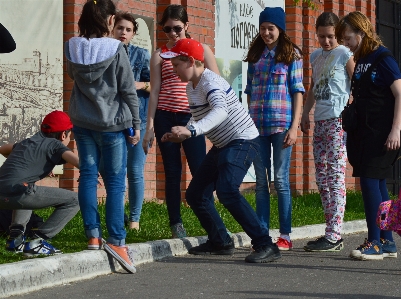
x: 31, y: 77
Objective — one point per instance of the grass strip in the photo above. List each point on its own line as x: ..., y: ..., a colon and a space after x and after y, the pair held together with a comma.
x: 307, y: 210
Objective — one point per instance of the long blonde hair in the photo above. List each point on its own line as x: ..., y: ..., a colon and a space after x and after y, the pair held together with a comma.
x: 359, y: 23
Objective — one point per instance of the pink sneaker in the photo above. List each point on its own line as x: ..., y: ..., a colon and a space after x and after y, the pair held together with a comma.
x: 283, y: 244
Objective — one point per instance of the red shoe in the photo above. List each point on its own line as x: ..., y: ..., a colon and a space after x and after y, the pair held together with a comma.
x: 283, y: 244
x: 95, y: 244
x: 122, y: 254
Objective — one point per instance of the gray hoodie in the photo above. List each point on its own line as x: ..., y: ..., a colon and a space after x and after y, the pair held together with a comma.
x: 103, y: 97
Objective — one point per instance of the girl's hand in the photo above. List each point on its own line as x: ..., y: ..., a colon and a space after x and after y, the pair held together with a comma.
x: 139, y: 85
x: 148, y: 140
x: 135, y: 139
x: 290, y: 138
x: 305, y: 123
x: 393, y: 140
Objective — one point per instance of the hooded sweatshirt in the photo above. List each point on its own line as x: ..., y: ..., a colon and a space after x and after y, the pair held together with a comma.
x: 103, y: 97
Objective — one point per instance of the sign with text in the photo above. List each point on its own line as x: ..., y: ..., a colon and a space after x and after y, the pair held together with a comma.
x: 144, y: 35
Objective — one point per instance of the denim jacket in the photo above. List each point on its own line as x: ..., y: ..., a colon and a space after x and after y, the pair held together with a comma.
x: 140, y: 64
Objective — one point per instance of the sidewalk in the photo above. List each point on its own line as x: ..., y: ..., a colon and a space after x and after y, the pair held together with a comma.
x: 30, y: 275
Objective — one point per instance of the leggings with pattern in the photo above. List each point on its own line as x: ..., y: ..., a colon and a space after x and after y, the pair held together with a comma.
x: 330, y: 156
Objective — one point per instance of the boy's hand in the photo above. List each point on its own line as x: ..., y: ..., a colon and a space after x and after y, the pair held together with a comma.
x: 148, y: 140
x: 178, y: 134
x: 290, y: 137
x: 305, y: 123
x: 135, y: 139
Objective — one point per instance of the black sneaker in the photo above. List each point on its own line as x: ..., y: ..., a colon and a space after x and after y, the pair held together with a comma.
x: 39, y: 247
x: 322, y: 244
x: 15, y: 244
x: 16, y: 240
x: 208, y: 248
x: 264, y: 254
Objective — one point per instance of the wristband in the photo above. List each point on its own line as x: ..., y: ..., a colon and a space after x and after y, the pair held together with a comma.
x: 191, y: 128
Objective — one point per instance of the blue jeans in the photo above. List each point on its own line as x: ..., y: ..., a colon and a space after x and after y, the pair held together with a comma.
x: 136, y: 183
x: 374, y: 192
x: 281, y: 165
x: 224, y: 169
x: 195, y: 152
x: 110, y: 149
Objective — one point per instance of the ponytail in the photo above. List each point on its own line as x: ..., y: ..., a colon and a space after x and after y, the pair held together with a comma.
x: 93, y: 20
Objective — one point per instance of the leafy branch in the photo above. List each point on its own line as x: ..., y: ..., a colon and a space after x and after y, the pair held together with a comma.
x: 311, y: 4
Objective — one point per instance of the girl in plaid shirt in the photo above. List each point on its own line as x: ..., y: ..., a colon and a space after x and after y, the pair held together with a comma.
x: 274, y: 89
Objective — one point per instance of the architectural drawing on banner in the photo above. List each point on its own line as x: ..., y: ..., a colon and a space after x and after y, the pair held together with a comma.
x: 237, y: 23
x: 31, y: 77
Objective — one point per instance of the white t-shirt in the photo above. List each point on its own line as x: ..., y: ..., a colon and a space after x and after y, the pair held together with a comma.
x: 331, y: 81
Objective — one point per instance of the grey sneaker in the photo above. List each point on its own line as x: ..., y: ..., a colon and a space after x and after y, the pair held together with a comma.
x: 322, y: 244
x: 178, y: 231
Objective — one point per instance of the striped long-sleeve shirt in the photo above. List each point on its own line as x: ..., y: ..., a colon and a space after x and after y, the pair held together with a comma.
x: 217, y: 112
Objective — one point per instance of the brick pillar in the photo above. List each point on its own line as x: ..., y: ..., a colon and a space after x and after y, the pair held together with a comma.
x: 309, y: 44
x: 71, y: 13
x: 201, y: 28
x: 296, y: 33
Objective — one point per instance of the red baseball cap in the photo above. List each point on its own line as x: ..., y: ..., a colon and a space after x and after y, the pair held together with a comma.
x: 185, y: 47
x: 56, y: 121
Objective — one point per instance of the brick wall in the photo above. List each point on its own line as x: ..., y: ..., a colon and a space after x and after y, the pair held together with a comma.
x: 201, y: 19
x: 301, y: 29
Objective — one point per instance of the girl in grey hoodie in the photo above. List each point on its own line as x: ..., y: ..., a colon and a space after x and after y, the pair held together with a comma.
x: 103, y: 105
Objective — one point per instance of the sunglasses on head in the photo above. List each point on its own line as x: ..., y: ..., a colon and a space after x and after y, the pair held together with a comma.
x: 176, y: 29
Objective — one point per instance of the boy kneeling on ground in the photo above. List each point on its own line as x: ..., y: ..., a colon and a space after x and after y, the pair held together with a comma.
x: 218, y: 114
x: 27, y: 162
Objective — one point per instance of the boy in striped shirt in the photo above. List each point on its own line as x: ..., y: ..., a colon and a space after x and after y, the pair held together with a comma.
x: 218, y: 114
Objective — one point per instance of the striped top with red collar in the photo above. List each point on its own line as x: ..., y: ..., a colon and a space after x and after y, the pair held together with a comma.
x: 172, y: 96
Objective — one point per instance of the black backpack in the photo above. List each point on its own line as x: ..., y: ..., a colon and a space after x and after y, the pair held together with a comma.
x: 5, y: 221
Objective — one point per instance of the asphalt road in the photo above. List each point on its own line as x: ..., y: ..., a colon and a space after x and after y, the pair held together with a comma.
x: 298, y: 274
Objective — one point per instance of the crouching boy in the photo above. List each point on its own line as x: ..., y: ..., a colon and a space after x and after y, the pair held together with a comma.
x: 27, y: 162
x: 218, y: 114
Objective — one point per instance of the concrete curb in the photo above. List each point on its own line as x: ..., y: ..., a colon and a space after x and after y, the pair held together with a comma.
x: 35, y: 274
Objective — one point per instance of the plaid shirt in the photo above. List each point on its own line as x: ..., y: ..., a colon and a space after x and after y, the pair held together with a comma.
x: 272, y: 86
